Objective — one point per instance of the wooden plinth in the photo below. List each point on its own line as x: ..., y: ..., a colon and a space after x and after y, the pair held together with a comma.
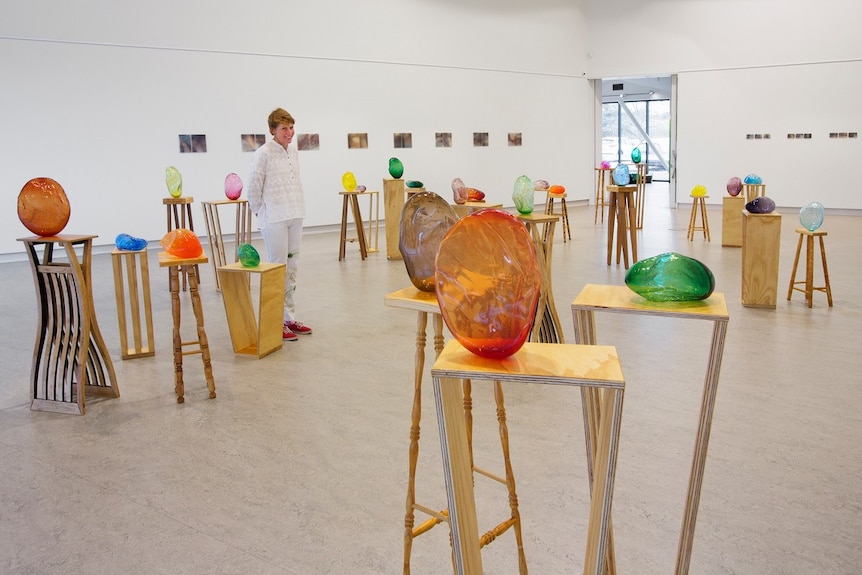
x: 761, y: 241
x: 137, y: 286
x: 393, y: 203
x: 215, y: 236
x: 622, y: 213
x: 257, y: 334
x: 731, y: 221
x: 351, y: 199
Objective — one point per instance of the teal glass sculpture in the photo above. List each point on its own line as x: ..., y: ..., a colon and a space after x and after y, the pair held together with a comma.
x: 621, y: 175
x: 425, y: 220
x: 396, y: 168
x: 174, y: 180
x: 414, y: 184
x: 523, y: 195
x: 761, y: 205
x: 129, y: 243
x: 636, y: 155
x: 753, y: 179
x: 248, y: 256
x: 670, y: 277
x: 734, y: 186
x: 811, y: 216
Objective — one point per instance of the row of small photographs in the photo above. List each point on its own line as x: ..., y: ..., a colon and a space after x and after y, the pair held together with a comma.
x: 843, y: 134
x: 441, y: 140
x: 758, y: 136
x: 193, y: 144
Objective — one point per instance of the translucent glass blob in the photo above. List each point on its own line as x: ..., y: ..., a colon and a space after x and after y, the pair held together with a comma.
x: 541, y: 185
x: 811, y: 216
x: 174, y: 180
x: 605, y: 165
x: 396, y: 168
x: 753, y: 179
x: 670, y: 277
x: 474, y: 195
x: 621, y: 175
x: 129, y: 243
x: 557, y: 190
x: 636, y: 155
x: 348, y: 180
x: 698, y: 191
x: 523, y: 195
x: 761, y: 205
x: 414, y: 184
x: 459, y: 191
x: 182, y: 243
x: 43, y: 207
x: 488, y: 283
x: 425, y: 220
x: 734, y: 186
x: 248, y: 256
x: 360, y: 188
x: 232, y: 186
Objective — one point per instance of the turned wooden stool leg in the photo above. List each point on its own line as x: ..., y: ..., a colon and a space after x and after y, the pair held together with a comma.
x: 202, y: 334
x: 692, y: 220
x: 704, y: 219
x: 174, y: 281
x: 827, y: 287
x: 795, y: 266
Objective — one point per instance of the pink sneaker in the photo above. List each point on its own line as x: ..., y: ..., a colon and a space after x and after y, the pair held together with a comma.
x: 287, y: 334
x: 297, y: 327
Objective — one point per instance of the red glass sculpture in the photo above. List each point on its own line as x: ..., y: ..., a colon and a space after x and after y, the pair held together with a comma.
x: 488, y: 283
x: 43, y: 207
x: 182, y: 243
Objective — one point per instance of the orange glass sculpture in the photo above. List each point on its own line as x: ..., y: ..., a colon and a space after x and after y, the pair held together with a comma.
x: 557, y: 190
x: 182, y: 243
x: 488, y: 283
x: 474, y: 195
x: 43, y: 207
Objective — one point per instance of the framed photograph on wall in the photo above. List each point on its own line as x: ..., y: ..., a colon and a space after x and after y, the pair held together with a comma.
x: 480, y: 139
x: 357, y: 140
x: 308, y: 142
x: 193, y: 143
x: 402, y: 140
x: 251, y: 142
x: 514, y: 138
x: 443, y: 139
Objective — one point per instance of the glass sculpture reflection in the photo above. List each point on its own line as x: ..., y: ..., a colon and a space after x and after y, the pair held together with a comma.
x: 488, y: 283
x: 43, y: 207
x: 129, y: 243
x: 232, y: 186
x: 761, y: 205
x: 734, y: 186
x: 396, y: 168
x: 182, y: 243
x: 425, y: 220
x: 174, y: 181
x: 522, y: 195
x: 811, y: 216
x: 670, y: 277
x: 248, y: 256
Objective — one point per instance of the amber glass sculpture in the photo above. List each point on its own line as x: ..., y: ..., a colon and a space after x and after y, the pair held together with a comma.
x: 425, y: 220
x: 488, y: 283
x: 182, y: 243
x: 43, y: 207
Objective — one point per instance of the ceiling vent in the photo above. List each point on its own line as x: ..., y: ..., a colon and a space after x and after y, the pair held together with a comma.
x: 617, y: 87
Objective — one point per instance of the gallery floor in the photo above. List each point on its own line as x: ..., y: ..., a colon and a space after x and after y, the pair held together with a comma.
x: 299, y: 466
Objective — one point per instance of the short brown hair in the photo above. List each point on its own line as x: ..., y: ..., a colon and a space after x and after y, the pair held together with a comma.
x: 279, y: 116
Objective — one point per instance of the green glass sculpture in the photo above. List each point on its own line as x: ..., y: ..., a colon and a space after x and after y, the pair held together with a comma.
x: 174, y: 180
x: 671, y: 277
x: 396, y: 168
x: 522, y: 195
x: 248, y: 256
x: 636, y: 155
x: 414, y: 184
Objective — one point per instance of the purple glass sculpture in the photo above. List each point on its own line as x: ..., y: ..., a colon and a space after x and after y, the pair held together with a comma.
x: 425, y: 220
x: 734, y: 186
x: 459, y: 191
x: 761, y: 205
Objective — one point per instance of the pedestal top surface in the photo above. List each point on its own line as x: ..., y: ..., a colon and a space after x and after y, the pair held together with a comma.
x: 539, y: 218
x: 413, y: 298
x: 632, y: 188
x: 548, y: 363
x: 59, y: 238
x: 167, y: 260
x: 260, y: 268
x: 621, y: 299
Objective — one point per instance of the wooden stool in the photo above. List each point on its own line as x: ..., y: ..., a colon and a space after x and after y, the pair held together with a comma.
x: 372, y: 238
x: 180, y: 216
x: 131, y: 258
x: 621, y: 211
x: 425, y: 303
x: 698, y: 205
x: 352, y: 199
x: 600, y: 193
x: 242, y: 232
x: 564, y: 213
x: 189, y: 267
x: 752, y: 191
x: 809, y: 288
x: 546, y: 327
x: 640, y: 195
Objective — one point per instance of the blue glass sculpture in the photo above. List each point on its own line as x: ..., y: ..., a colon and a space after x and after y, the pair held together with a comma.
x: 129, y: 243
x: 811, y: 216
x: 753, y: 179
x: 621, y: 175
x: 522, y: 195
x: 671, y: 277
x: 761, y: 205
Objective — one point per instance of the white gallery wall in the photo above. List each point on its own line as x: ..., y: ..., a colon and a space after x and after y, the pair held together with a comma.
x: 95, y: 97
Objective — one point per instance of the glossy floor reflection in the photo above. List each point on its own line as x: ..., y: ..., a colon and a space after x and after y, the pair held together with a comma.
x: 299, y: 466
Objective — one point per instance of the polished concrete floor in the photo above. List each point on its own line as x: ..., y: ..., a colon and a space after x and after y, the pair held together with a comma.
x: 299, y: 466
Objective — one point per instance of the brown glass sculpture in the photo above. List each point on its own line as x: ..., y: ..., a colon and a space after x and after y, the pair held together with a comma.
x: 182, y: 243
x: 488, y: 283
x: 43, y: 207
x: 425, y: 219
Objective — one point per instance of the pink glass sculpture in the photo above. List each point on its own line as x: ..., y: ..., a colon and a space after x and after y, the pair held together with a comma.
x: 605, y: 165
x: 734, y: 186
x: 541, y: 185
x: 232, y: 186
x: 43, y: 207
x: 182, y: 243
x: 459, y: 191
x: 425, y: 219
x: 488, y: 283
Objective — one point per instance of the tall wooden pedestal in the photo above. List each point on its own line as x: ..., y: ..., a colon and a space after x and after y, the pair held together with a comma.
x: 393, y: 202
x: 263, y: 336
x: 761, y: 240
x: 731, y: 221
